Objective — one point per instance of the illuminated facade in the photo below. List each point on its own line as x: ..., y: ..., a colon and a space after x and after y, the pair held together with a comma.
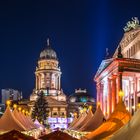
x: 48, y: 80
x: 80, y: 100
x: 121, y: 72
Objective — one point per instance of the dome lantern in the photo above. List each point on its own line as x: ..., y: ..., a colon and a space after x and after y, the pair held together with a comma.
x: 48, y: 52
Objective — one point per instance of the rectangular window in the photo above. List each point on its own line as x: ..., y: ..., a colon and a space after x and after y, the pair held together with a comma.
x: 138, y: 99
x: 131, y: 51
x: 127, y: 54
x: 132, y: 101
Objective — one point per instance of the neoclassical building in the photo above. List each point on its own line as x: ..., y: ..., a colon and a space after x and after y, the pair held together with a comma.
x: 48, y: 80
x: 121, y: 72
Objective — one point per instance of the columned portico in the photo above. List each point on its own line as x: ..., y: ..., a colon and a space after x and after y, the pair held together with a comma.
x: 111, y: 81
x: 114, y: 95
x: 123, y: 68
x: 109, y: 97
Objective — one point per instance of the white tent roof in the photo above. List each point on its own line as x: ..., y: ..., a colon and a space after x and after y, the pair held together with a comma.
x: 37, y: 124
x: 79, y: 121
x: 131, y: 130
x: 29, y: 121
x: 21, y: 119
x: 9, y: 122
x: 73, y: 123
x: 117, y: 119
x: 86, y: 119
x: 93, y: 121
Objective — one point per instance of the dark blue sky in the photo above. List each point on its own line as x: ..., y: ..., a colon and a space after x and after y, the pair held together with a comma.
x: 79, y: 31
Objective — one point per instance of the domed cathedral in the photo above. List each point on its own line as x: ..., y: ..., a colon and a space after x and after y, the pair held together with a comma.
x: 121, y: 72
x: 48, y: 81
x: 80, y: 100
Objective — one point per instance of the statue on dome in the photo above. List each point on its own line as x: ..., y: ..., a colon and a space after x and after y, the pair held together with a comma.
x: 133, y: 24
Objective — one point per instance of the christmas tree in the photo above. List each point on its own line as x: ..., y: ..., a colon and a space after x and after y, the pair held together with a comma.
x: 40, y: 111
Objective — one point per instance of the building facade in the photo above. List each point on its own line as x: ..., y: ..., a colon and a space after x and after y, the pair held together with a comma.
x: 48, y: 81
x: 121, y: 72
x: 10, y: 94
x: 80, y: 100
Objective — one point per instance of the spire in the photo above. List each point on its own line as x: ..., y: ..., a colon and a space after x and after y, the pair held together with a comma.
x: 47, y: 44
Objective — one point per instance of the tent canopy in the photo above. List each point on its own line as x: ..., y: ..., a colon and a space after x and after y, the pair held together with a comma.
x: 93, y: 121
x: 9, y: 122
x: 37, y: 124
x: 14, y: 135
x: 117, y: 119
x: 19, y: 117
x: 131, y: 130
x: 79, y: 121
x: 57, y: 135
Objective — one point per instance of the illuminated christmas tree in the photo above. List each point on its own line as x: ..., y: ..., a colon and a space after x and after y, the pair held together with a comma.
x: 40, y: 111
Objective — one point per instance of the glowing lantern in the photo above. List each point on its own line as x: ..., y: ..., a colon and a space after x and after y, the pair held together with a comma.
x: 23, y: 111
x: 121, y: 93
x: 8, y: 102
x: 90, y: 107
x: 81, y: 111
x: 19, y: 108
x: 15, y: 106
x: 138, y: 105
x: 75, y: 114
x: 98, y: 104
x: 85, y: 109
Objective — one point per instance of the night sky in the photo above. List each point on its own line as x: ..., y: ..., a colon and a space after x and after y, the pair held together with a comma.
x: 79, y: 31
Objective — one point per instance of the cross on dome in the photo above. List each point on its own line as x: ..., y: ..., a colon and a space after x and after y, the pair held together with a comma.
x: 48, y: 42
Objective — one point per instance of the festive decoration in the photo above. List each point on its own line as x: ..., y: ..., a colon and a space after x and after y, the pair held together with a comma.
x: 40, y: 109
x: 14, y: 106
x: 133, y: 24
x: 8, y: 102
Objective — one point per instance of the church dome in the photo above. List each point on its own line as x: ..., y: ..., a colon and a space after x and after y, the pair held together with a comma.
x: 48, y: 52
x: 81, y: 96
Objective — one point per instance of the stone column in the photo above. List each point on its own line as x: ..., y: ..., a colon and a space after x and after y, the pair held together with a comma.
x: 59, y: 82
x: 50, y: 84
x: 43, y: 86
x: 45, y: 81
x: 39, y: 81
x: 101, y: 97
x: 109, y: 98
x: 98, y: 94
x: 129, y: 99
x: 119, y: 81
x: 114, y: 97
x: 135, y: 93
x: 36, y: 82
x: 119, y: 84
x: 55, y: 81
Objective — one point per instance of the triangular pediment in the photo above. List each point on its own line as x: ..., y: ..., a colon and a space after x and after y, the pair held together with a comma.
x: 103, y: 65
x: 127, y: 38
x: 52, y: 101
